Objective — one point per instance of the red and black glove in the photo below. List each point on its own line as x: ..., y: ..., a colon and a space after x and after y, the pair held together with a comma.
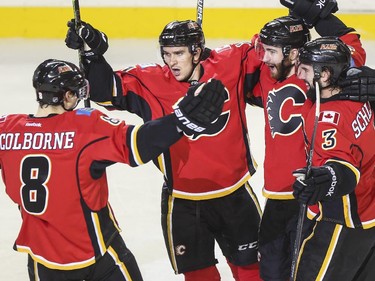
x: 325, y: 183
x: 201, y: 106
x: 310, y: 10
x: 93, y: 41
x: 321, y: 185
x: 358, y: 84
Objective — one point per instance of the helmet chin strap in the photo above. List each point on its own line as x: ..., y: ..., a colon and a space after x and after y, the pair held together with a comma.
x: 189, y: 79
x: 321, y: 87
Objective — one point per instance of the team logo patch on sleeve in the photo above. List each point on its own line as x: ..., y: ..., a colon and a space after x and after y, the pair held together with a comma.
x: 84, y: 111
x: 329, y: 117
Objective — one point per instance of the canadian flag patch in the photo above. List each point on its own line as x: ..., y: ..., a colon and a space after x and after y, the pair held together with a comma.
x: 329, y: 117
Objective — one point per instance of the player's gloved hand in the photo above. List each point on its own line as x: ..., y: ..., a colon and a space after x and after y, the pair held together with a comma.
x: 201, y: 106
x: 321, y: 185
x: 310, y: 10
x: 93, y: 41
x: 358, y: 84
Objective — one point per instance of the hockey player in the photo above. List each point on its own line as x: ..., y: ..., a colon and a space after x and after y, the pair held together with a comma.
x: 284, y: 99
x: 53, y: 167
x: 342, y: 178
x: 206, y: 196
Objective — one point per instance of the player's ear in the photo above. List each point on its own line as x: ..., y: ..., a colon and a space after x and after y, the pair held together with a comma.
x: 70, y: 99
x: 68, y: 96
x: 325, y: 75
x: 197, y: 55
x: 293, y: 55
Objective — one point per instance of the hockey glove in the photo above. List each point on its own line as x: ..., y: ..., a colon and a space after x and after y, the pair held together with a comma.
x: 201, y: 106
x: 93, y: 41
x: 358, y: 85
x: 321, y: 185
x: 310, y: 10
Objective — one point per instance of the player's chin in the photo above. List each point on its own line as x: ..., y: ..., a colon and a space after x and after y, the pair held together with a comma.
x: 275, y: 74
x: 180, y: 78
x: 273, y: 70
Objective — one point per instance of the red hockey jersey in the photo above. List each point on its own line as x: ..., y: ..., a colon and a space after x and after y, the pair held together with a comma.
x: 346, y: 134
x: 54, y: 169
x: 202, y: 166
x: 285, y: 103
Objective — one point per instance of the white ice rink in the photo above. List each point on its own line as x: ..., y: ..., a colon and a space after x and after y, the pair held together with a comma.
x: 134, y: 192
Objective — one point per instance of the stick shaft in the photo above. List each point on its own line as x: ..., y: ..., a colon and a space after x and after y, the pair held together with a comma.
x: 78, y: 23
x: 200, y: 12
x: 303, y: 207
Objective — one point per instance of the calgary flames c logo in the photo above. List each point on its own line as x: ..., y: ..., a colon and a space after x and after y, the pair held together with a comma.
x: 283, y: 109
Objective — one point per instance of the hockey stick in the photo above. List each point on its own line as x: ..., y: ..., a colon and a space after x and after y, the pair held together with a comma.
x: 303, y: 207
x: 200, y: 12
x: 77, y: 20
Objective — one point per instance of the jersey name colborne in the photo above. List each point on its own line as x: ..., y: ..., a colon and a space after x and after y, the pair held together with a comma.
x: 18, y: 141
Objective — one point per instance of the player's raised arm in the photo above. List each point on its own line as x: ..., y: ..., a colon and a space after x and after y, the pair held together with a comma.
x: 97, y: 70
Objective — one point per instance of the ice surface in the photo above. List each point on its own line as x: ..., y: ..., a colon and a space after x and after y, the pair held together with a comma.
x: 134, y: 192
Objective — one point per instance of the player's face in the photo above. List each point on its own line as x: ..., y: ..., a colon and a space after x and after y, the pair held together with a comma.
x: 306, y: 73
x: 180, y: 61
x: 273, y: 58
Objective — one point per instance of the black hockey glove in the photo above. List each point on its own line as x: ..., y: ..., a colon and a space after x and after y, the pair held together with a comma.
x: 321, y: 185
x: 201, y: 106
x: 93, y: 41
x: 310, y: 10
x: 358, y: 85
